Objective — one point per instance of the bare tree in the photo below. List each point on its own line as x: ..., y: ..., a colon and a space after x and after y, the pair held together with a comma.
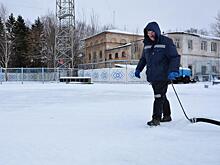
x: 192, y: 30
x: 48, y: 38
x: 6, y: 51
x: 216, y: 26
x: 5, y: 43
x: 203, y: 32
x: 3, y: 12
x: 108, y: 27
x: 197, y: 31
x: 94, y: 27
x: 81, y: 32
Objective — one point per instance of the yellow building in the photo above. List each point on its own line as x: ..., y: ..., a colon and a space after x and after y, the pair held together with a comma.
x: 110, y: 47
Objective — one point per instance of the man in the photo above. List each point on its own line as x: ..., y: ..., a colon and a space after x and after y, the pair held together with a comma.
x: 162, y: 63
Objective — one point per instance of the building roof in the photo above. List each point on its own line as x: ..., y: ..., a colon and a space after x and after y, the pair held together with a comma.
x: 122, y: 32
x: 115, y: 31
x: 196, y: 35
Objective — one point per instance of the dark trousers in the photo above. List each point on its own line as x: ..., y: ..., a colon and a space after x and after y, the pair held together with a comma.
x: 161, y: 104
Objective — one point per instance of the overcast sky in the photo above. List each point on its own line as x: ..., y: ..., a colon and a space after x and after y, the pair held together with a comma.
x: 129, y: 15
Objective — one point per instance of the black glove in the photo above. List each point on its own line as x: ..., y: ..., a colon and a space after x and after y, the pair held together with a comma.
x: 137, y: 74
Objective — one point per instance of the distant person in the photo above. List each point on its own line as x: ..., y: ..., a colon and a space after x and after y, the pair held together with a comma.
x: 162, y: 63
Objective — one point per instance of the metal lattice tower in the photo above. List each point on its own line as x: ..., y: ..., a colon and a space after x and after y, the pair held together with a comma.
x: 65, y: 15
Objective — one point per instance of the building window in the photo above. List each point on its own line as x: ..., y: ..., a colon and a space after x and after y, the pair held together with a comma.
x: 116, y: 55
x: 177, y: 42
x: 204, y: 45
x: 204, y: 68
x: 190, y: 44
x: 90, y: 57
x: 94, y: 57
x: 214, y: 69
x: 123, y: 55
x: 100, y: 55
x: 110, y: 56
x: 135, y: 47
x: 214, y: 47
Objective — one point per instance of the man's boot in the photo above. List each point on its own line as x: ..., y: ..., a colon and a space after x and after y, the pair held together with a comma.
x: 166, y: 119
x: 154, y: 122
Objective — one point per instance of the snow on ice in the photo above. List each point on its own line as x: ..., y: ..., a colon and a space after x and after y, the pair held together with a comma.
x: 104, y: 124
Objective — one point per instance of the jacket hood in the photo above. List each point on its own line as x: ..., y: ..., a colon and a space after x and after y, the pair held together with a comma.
x: 152, y: 26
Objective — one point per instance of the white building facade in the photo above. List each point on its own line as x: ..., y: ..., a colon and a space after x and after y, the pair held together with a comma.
x: 198, y: 52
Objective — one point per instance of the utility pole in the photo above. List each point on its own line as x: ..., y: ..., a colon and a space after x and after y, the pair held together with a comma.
x: 65, y: 15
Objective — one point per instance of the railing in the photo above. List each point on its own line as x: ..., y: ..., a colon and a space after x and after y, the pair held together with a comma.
x: 34, y: 74
x: 122, y: 74
x: 112, y: 75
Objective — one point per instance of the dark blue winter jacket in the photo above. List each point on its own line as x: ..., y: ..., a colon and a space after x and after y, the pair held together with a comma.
x: 160, y: 57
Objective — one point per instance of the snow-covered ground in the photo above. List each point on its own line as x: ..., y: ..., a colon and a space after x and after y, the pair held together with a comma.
x: 104, y: 124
